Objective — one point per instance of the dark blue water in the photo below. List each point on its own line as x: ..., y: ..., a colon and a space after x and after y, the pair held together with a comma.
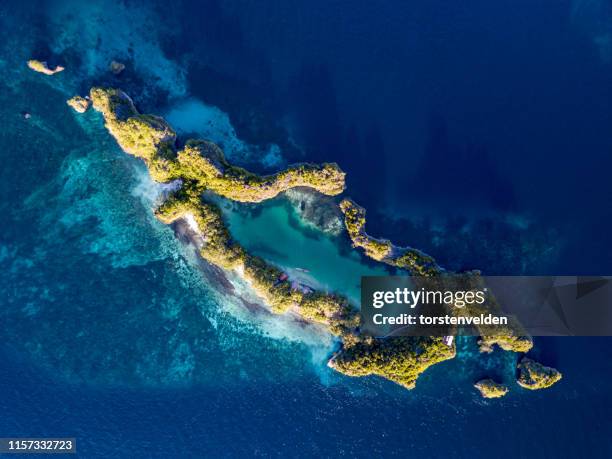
x: 477, y: 131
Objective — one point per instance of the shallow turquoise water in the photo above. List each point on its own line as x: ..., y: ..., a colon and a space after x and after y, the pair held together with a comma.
x: 275, y: 233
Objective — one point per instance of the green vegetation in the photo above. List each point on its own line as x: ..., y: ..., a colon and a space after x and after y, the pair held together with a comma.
x: 331, y: 310
x: 149, y: 137
x: 201, y: 166
x: 204, y: 161
x: 511, y: 338
x: 145, y: 136
x: 509, y: 341
x: 399, y: 359
x: 490, y: 389
x: 534, y: 375
x: 412, y: 260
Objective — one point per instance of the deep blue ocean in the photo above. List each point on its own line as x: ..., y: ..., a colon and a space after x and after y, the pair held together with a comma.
x: 477, y: 131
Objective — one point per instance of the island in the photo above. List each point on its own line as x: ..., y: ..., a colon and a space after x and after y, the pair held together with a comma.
x: 200, y: 168
x: 43, y: 67
x: 533, y: 375
x: 79, y: 104
x: 491, y: 389
x: 399, y: 359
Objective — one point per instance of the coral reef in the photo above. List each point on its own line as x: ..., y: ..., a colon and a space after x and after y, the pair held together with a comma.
x: 318, y: 211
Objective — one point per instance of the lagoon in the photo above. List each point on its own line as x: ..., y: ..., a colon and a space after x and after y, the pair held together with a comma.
x: 275, y: 232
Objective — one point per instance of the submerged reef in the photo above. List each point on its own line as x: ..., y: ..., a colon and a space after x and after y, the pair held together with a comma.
x: 533, y: 375
x: 321, y: 212
x: 42, y: 67
x: 490, y: 389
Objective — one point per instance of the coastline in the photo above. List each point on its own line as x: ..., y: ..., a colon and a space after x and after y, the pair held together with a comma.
x: 114, y: 320
x: 200, y: 166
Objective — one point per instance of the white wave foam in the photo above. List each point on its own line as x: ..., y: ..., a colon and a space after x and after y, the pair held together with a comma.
x: 280, y: 327
x: 189, y: 218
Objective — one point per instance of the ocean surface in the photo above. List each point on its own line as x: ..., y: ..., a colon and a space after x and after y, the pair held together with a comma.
x: 476, y: 131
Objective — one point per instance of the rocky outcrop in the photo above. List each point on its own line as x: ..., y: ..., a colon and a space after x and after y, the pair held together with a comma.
x: 533, y: 375
x: 79, y: 104
x: 116, y: 67
x: 490, y: 389
x: 511, y: 341
x: 205, y: 162
x: 42, y: 67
